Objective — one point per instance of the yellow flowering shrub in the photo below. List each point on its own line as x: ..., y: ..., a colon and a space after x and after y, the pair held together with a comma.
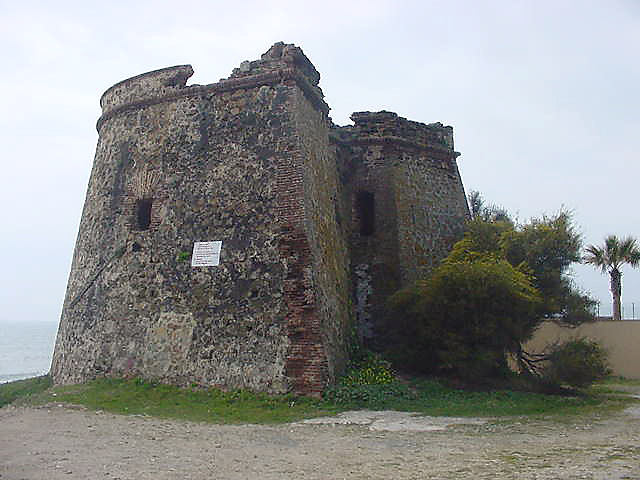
x: 372, y: 371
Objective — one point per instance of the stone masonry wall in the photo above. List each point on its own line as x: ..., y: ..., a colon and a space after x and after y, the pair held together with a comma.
x: 329, y: 329
x: 319, y: 225
x: 217, y: 162
x: 375, y: 267
x: 409, y: 177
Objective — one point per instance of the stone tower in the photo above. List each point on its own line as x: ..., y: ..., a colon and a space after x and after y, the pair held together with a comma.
x: 402, y: 192
x: 311, y: 226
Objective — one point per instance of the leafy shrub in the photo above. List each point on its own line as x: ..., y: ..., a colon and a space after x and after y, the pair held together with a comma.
x: 371, y: 370
x: 544, y: 248
x: 578, y: 363
x: 370, y: 382
x: 183, y: 256
x: 464, y: 318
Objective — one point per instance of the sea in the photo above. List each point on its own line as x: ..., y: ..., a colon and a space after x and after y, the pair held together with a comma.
x: 26, y: 348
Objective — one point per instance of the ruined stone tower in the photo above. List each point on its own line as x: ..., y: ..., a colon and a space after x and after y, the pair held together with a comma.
x: 317, y: 224
x: 402, y: 192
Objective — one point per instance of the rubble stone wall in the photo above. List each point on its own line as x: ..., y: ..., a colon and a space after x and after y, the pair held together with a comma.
x: 221, y: 162
x: 408, y: 170
x: 318, y: 223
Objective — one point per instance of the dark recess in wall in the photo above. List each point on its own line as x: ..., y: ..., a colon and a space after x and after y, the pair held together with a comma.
x: 143, y: 210
x: 366, y: 210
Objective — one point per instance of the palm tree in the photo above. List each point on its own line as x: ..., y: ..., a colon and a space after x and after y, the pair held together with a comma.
x: 610, y: 258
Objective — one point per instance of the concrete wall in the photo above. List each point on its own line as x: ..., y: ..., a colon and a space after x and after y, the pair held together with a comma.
x: 621, y: 339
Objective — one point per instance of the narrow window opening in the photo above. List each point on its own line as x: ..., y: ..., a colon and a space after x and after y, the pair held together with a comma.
x: 365, y: 208
x: 143, y: 209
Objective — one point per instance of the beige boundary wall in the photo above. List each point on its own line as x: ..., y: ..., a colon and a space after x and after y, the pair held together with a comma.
x: 620, y: 338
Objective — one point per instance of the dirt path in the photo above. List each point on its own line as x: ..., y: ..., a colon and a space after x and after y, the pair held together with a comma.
x: 64, y: 443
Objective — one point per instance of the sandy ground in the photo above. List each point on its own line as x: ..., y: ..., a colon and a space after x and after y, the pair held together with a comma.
x: 56, y: 442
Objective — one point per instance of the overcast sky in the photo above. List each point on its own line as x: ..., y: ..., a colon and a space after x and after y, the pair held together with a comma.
x: 542, y: 95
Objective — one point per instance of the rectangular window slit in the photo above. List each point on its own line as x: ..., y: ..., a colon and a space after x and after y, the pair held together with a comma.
x: 143, y: 213
x: 365, y: 209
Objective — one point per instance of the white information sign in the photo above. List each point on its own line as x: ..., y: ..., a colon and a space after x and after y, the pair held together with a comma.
x: 206, y: 254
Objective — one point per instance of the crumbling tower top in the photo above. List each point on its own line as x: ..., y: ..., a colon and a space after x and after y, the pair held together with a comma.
x: 281, y: 56
x: 282, y: 63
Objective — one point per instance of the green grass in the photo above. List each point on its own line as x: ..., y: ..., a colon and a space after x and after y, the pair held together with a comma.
x: 426, y: 396
x: 23, y: 389
x: 135, y: 396
x: 616, y: 386
x: 613, y: 380
x: 430, y: 397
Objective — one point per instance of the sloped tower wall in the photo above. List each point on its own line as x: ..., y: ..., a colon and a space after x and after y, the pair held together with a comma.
x: 402, y: 192
x: 245, y: 161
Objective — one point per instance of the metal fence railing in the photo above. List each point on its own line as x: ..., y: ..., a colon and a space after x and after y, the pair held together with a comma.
x: 630, y: 310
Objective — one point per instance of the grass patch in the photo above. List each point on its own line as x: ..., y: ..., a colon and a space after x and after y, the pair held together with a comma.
x: 613, y: 380
x: 431, y: 397
x: 135, y: 396
x: 23, y: 389
x: 616, y: 386
x: 426, y: 396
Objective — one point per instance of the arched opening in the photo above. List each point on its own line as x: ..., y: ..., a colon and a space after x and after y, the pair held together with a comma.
x: 366, y: 212
x: 143, y: 213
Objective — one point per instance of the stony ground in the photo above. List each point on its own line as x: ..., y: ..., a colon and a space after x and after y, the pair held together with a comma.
x: 57, y: 442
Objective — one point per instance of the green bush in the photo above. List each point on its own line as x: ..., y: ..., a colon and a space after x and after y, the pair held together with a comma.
x: 183, y: 256
x: 370, y: 370
x: 464, y: 319
x: 369, y: 383
x: 578, y: 363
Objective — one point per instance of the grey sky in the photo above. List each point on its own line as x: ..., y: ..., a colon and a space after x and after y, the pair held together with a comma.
x: 542, y: 95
